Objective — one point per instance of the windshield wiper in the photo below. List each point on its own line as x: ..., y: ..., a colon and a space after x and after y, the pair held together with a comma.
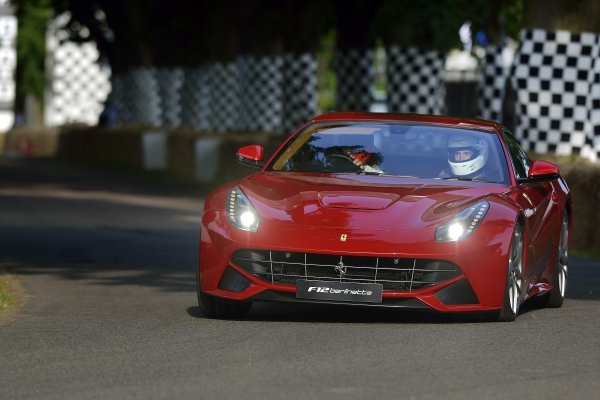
x: 458, y: 178
x: 363, y: 172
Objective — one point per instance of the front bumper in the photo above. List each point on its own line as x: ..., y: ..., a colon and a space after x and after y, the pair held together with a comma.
x: 476, y: 286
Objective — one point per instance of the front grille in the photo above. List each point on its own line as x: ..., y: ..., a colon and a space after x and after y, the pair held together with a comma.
x: 395, y: 274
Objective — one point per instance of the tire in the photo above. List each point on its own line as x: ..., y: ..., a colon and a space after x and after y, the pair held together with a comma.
x: 556, y: 296
x: 213, y: 307
x: 513, y: 288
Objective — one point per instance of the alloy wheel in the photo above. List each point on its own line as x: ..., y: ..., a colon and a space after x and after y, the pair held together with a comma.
x: 515, y: 271
x: 563, y: 256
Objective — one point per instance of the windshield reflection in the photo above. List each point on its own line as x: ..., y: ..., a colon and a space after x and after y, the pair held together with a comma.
x: 399, y: 149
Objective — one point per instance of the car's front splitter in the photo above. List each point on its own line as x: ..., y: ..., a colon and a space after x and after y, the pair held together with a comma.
x: 482, y: 264
x: 454, y: 296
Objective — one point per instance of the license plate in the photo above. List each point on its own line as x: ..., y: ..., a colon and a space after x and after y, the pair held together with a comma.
x: 339, y: 291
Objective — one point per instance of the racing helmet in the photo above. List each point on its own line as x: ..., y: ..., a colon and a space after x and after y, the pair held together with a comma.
x: 477, y: 149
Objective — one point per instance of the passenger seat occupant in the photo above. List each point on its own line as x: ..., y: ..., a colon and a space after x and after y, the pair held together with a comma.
x: 467, y: 155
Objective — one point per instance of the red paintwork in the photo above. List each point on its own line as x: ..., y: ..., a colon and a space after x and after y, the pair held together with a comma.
x: 540, y: 168
x: 253, y: 152
x: 390, y: 216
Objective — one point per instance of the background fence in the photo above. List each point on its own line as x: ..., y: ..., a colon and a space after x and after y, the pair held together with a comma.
x: 555, y: 77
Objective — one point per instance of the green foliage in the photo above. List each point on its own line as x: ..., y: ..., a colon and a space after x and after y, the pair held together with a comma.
x: 514, y: 18
x: 32, y: 17
x: 305, y: 24
x: 427, y: 24
x: 496, y: 18
x: 326, y: 77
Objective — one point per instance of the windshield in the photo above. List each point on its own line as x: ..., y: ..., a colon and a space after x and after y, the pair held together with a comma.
x: 401, y: 149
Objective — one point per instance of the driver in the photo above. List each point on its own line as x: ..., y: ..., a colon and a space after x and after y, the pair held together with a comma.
x: 467, y: 157
x: 364, y: 160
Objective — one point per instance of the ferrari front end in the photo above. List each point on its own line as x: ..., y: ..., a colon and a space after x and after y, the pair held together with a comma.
x: 388, y: 210
x: 416, y: 245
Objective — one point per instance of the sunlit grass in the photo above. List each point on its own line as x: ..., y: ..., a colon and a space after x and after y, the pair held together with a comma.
x: 6, y: 298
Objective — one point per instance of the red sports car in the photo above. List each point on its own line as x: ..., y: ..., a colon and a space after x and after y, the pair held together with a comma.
x: 388, y: 210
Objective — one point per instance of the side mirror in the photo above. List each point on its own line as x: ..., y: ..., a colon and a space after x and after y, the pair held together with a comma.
x: 251, y: 155
x: 540, y: 169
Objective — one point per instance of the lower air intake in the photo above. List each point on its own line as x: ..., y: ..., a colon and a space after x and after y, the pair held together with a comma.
x: 395, y: 274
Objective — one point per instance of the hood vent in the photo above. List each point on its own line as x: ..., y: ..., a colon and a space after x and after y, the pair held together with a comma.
x: 357, y: 201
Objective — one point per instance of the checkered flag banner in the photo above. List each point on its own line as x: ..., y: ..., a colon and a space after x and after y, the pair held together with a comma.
x: 196, y: 98
x: 492, y: 83
x: 144, y: 90
x: 252, y: 93
x: 224, y: 87
x: 554, y: 74
x: 247, y: 94
x: 355, y: 77
x: 8, y: 62
x: 261, y: 93
x: 169, y: 82
x: 299, y: 89
x: 121, y: 99
x: 77, y: 85
x: 415, y: 80
x: 592, y: 148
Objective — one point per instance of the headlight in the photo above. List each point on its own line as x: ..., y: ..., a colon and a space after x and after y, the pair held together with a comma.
x: 463, y: 224
x: 240, y: 212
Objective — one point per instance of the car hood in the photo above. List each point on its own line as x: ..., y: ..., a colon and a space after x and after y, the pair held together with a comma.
x: 360, y: 201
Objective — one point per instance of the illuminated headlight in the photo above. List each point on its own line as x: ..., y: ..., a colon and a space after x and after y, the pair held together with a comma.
x: 463, y: 224
x: 240, y: 212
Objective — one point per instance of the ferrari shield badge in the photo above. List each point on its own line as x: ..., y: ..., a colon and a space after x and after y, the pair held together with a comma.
x: 343, y: 237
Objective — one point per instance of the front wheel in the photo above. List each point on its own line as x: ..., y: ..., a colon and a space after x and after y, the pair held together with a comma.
x: 556, y: 296
x: 213, y: 307
x: 514, y: 278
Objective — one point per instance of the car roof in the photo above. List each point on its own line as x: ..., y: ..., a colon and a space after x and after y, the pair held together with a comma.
x: 458, y: 122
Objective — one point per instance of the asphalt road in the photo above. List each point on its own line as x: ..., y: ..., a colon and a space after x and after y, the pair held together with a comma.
x: 108, y: 264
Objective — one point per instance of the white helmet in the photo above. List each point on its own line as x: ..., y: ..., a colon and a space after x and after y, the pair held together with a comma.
x: 479, y: 154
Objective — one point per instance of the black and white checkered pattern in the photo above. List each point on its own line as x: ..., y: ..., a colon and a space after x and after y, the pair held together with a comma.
x: 169, y: 82
x: 77, y: 85
x: 120, y: 98
x: 225, y: 103
x: 135, y: 97
x: 492, y: 83
x: 261, y: 93
x: 8, y: 62
x: 415, y: 80
x: 195, y: 98
x: 144, y: 90
x: 8, y: 56
x: 553, y: 77
x: 248, y: 94
x: 592, y: 148
x: 355, y: 77
x: 299, y: 89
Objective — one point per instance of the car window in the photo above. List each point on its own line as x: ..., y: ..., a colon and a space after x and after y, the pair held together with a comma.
x: 519, y: 157
x: 401, y: 149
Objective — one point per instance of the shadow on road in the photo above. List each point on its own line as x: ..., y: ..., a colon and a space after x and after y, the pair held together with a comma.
x: 96, y: 227
x: 52, y: 225
x: 49, y: 172
x: 269, y: 312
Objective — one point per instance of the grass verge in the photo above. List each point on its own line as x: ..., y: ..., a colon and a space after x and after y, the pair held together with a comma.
x: 6, y: 296
x: 12, y: 295
x: 586, y: 253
